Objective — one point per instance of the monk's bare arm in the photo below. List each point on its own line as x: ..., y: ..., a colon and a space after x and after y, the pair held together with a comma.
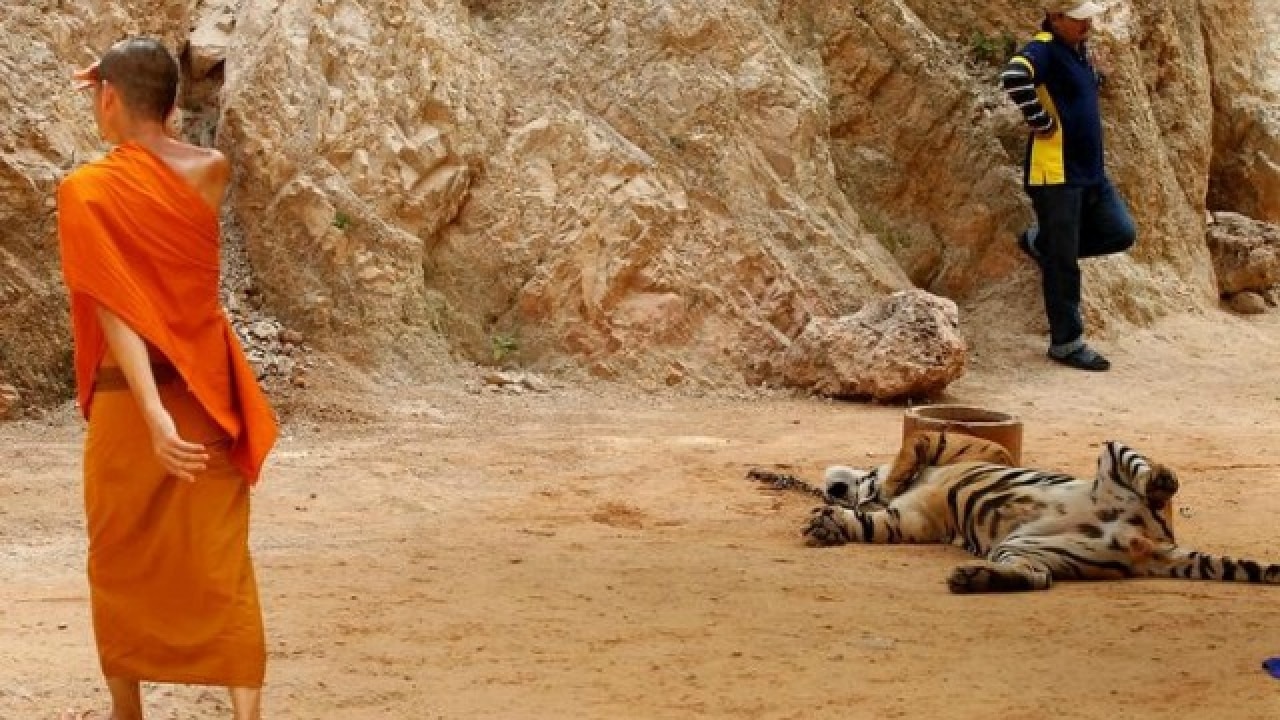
x: 215, y: 186
x: 178, y: 457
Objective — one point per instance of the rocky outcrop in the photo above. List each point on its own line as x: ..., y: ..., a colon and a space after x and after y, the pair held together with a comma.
x: 905, y: 345
x: 1246, y: 260
x: 667, y: 190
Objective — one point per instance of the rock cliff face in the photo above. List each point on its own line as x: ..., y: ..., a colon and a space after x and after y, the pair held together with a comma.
x: 634, y: 187
x: 1244, y: 62
x: 665, y: 189
x: 45, y: 130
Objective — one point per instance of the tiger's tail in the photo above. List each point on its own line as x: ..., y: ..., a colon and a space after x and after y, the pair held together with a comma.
x: 1195, y: 565
x: 783, y: 481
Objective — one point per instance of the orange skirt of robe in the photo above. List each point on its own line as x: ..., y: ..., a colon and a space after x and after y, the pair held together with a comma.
x: 171, y: 581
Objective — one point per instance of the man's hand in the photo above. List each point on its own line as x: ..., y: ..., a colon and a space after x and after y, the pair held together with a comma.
x: 1100, y: 59
x: 178, y: 457
x: 1047, y: 131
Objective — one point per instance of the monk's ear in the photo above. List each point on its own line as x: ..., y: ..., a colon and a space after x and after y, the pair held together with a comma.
x: 110, y: 98
x: 173, y: 123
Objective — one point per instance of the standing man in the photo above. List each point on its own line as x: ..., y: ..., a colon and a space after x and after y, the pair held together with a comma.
x: 178, y: 427
x: 1079, y: 214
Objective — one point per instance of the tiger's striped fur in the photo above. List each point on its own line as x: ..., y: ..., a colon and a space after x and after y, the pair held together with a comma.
x: 852, y: 488
x: 1031, y: 527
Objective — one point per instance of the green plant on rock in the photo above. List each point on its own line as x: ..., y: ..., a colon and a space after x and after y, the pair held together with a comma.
x: 503, y: 345
x: 993, y: 50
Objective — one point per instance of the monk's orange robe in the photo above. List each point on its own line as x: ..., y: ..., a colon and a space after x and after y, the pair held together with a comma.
x: 171, y: 580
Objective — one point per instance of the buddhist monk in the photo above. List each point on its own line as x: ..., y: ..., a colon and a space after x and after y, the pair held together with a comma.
x: 178, y: 426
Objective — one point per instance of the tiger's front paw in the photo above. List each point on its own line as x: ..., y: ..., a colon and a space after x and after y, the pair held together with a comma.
x: 824, y: 528
x: 1162, y: 485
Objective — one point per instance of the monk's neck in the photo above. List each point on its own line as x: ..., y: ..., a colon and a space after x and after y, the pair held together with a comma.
x: 151, y: 135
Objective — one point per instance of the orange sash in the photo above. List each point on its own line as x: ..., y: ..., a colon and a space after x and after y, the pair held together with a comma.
x: 137, y: 239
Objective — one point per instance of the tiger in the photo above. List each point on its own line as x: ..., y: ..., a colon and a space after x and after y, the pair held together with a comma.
x: 1031, y: 527
x: 850, y: 488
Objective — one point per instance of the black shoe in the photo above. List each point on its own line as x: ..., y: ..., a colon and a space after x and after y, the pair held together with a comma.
x: 1083, y: 358
x: 1024, y: 244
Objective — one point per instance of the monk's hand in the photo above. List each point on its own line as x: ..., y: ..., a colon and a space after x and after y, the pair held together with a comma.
x: 178, y: 457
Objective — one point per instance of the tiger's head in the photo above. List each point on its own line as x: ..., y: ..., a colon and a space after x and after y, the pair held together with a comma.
x: 853, y: 488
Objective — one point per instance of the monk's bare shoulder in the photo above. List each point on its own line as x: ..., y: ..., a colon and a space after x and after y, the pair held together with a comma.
x: 216, y: 163
x: 216, y: 172
x: 207, y: 169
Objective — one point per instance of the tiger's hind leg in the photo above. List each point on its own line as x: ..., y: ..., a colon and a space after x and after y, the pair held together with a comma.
x: 913, y: 455
x: 934, y: 449
x: 1006, y: 571
x: 833, y: 525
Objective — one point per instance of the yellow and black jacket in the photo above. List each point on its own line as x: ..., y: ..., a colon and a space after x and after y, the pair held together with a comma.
x: 1056, y: 88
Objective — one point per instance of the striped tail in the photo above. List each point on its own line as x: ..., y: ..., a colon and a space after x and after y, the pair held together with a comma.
x: 783, y: 481
x: 1195, y: 565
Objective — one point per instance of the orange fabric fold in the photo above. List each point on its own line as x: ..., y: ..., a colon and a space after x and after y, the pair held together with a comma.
x: 171, y: 579
x: 137, y: 239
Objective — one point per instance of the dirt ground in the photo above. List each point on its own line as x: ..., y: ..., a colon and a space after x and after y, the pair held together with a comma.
x: 593, y: 552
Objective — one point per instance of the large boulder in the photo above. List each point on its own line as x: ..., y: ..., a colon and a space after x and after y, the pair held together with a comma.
x: 905, y: 345
x: 1246, y: 253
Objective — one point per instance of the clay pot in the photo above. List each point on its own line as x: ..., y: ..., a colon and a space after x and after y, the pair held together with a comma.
x: 992, y: 425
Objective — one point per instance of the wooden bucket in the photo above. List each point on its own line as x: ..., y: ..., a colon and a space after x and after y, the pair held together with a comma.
x: 998, y: 427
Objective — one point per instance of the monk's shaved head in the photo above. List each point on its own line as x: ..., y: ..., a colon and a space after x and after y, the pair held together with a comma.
x: 144, y: 73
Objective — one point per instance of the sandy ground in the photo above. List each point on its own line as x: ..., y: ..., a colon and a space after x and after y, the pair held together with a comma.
x: 597, y: 553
